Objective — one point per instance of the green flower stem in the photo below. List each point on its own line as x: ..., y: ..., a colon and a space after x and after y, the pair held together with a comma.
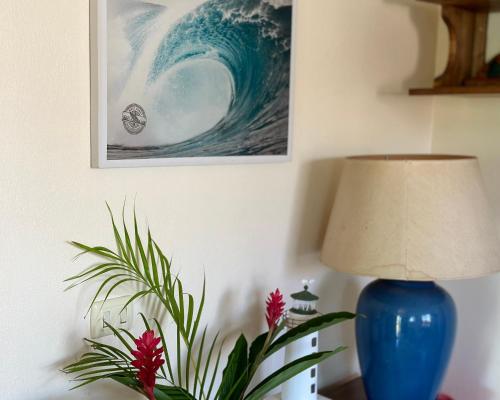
x: 184, y: 336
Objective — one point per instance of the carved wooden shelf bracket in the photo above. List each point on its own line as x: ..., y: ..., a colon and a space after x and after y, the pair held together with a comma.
x: 467, y: 71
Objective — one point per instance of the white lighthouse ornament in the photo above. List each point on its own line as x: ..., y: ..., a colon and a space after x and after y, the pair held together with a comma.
x: 305, y: 385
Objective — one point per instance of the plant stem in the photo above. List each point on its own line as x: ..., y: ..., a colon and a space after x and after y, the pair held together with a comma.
x: 180, y: 327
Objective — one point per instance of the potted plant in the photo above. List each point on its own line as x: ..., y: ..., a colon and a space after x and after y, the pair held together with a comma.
x: 190, y: 369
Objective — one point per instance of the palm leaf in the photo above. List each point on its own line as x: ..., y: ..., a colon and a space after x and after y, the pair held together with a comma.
x: 214, y: 372
x: 172, y: 393
x: 235, y: 373
x: 165, y: 350
x: 207, y: 366
x: 287, y: 372
x: 307, y: 328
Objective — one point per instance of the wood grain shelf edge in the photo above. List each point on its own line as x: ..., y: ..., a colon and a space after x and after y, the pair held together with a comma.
x: 491, y: 5
x: 456, y: 90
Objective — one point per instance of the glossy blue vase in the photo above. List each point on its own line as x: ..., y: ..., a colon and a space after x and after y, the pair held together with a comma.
x: 405, y: 336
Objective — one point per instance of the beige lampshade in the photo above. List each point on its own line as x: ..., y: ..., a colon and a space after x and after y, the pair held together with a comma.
x: 423, y: 217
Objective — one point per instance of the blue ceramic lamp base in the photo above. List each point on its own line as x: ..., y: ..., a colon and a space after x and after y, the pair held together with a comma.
x: 405, y: 336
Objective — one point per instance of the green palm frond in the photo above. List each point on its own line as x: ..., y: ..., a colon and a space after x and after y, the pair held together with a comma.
x: 104, y: 361
x: 141, y: 261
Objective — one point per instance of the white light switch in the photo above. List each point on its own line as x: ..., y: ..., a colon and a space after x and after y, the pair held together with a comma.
x: 111, y: 312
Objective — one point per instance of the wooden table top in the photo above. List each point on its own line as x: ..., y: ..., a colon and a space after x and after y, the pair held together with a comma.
x: 352, y: 390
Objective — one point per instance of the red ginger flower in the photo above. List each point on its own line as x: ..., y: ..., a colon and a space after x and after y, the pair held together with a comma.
x: 275, y: 308
x: 148, y: 360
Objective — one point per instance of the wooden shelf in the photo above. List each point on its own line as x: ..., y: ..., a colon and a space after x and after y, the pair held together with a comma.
x: 456, y: 90
x: 467, y: 71
x: 488, y: 5
x: 354, y: 390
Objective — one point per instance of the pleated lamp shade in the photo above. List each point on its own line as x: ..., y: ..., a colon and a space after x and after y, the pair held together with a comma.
x: 421, y: 218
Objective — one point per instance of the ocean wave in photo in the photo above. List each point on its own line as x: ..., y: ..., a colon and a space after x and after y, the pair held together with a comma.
x: 214, y: 82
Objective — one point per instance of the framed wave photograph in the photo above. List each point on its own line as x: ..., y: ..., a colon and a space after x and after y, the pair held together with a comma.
x: 190, y: 81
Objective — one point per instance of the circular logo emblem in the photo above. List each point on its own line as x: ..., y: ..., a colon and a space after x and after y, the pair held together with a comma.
x: 134, y: 119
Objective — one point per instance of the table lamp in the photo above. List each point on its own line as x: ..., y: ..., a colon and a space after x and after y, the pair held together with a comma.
x: 409, y: 220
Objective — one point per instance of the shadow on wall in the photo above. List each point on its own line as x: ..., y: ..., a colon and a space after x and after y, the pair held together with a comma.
x: 473, y: 355
x: 424, y: 18
x: 104, y: 391
x: 318, y: 182
x: 344, y: 335
x: 236, y: 321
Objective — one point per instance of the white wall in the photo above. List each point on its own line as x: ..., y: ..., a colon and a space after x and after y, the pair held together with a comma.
x: 250, y: 227
x: 470, y: 125
x: 465, y: 125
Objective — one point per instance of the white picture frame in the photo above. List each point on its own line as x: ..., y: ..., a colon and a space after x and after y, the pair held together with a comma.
x: 99, y: 104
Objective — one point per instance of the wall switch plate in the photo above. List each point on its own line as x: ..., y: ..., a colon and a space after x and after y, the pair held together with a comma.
x: 111, y: 312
